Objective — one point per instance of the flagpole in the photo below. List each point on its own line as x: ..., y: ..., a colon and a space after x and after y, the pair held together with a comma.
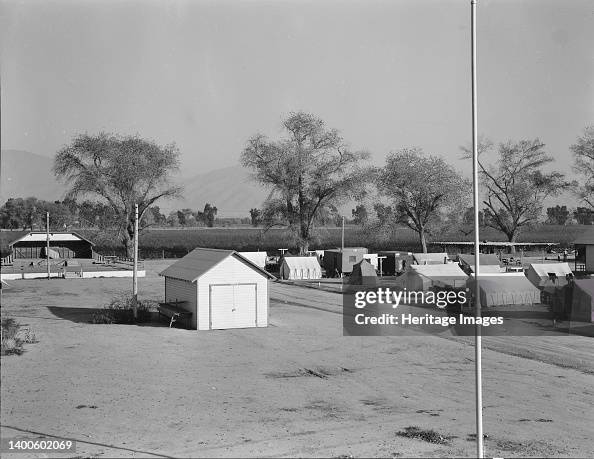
x: 475, y: 192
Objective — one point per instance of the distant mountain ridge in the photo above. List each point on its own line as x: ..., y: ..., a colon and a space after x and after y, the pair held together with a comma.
x: 230, y: 189
x: 24, y: 174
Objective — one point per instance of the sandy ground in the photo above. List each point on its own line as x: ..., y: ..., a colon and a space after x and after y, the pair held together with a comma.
x: 151, y: 391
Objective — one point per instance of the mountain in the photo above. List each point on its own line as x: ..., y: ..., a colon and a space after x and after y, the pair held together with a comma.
x: 230, y: 189
x: 24, y: 174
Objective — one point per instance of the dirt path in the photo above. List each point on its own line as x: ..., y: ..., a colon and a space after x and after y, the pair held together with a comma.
x: 296, y: 388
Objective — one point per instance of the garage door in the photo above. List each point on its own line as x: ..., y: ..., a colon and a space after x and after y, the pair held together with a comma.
x: 232, y: 306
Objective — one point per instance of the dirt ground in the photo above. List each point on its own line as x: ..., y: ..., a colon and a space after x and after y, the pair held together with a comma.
x: 297, y: 388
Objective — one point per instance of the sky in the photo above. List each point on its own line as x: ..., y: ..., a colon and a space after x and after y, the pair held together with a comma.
x: 207, y: 75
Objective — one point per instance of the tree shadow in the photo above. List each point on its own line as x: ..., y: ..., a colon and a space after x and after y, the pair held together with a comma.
x: 85, y: 316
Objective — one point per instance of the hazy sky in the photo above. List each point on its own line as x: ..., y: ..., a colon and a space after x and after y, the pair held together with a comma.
x: 209, y: 74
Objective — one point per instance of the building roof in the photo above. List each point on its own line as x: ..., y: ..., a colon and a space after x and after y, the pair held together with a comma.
x: 201, y: 260
x: 433, y: 257
x: 543, y: 269
x: 348, y: 249
x: 484, y: 259
x: 55, y: 236
x: 442, y: 270
x: 587, y: 237
x: 302, y: 263
x: 497, y: 243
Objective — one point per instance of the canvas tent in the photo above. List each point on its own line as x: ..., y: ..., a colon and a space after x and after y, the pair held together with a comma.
x: 488, y: 263
x: 423, y: 277
x: 435, y: 258
x: 582, y: 304
x: 540, y: 273
x: 363, y: 274
x: 257, y: 258
x: 300, y: 268
x: 505, y: 289
x: 372, y: 259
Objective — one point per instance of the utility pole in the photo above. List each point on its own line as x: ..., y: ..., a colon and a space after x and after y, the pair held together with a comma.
x: 342, y: 244
x: 135, y: 273
x: 475, y: 190
x: 47, y: 244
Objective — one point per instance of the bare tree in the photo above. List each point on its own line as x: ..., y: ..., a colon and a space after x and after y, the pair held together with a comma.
x: 122, y: 171
x: 310, y: 169
x: 516, y: 185
x: 423, y: 188
x: 583, y: 156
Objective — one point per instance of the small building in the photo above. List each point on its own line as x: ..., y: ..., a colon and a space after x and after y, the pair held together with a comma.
x: 62, y: 245
x: 424, y: 277
x: 300, y: 268
x: 341, y: 261
x: 435, y: 258
x: 258, y: 258
x: 584, y: 252
x: 221, y: 288
x: 363, y: 274
x: 394, y: 261
x: 504, y: 289
x: 540, y: 274
x: 488, y: 263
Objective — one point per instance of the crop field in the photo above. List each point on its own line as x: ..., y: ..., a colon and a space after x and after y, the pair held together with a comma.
x: 177, y: 242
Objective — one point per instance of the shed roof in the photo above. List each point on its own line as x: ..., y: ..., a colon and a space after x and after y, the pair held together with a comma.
x: 587, y: 237
x: 302, y: 263
x: 543, y: 269
x: 201, y: 260
x: 55, y: 236
x: 484, y: 259
x: 426, y: 257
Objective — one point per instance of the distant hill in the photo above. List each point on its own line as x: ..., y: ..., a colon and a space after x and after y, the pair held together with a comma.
x: 230, y: 189
x: 24, y: 174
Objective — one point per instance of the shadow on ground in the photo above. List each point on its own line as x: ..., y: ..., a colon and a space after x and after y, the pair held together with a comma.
x: 85, y: 316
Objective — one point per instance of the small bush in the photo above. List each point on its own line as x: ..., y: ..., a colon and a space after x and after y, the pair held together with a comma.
x: 120, y: 310
x: 428, y: 435
x: 13, y: 337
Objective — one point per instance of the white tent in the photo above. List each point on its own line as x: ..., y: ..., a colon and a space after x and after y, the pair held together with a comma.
x: 423, y: 277
x: 488, y: 263
x: 300, y: 268
x: 538, y: 273
x: 257, y: 258
x: 436, y: 258
x: 505, y: 289
x: 372, y: 259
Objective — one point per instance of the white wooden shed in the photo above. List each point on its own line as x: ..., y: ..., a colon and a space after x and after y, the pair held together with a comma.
x: 221, y: 288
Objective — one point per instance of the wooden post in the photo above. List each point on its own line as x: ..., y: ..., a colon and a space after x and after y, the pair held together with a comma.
x: 47, y: 243
x: 342, y: 245
x: 135, y: 272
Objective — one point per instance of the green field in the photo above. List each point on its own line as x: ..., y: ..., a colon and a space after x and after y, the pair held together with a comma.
x: 156, y: 243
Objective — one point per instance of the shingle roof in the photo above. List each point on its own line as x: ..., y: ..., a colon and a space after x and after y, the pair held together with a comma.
x: 201, y: 260
x: 587, y: 237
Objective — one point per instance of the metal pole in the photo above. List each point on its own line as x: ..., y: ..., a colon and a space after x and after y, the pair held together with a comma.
x: 475, y: 190
x: 135, y: 273
x: 342, y: 244
x: 47, y: 243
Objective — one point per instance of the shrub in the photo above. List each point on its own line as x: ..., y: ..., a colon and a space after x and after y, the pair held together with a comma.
x: 428, y: 435
x: 120, y: 310
x: 13, y: 337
